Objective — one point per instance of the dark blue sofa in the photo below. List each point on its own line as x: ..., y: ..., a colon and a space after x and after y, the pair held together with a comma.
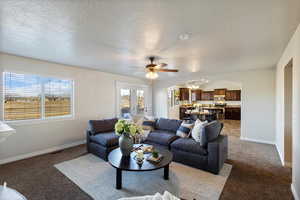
x: 210, y: 157
x: 101, y: 139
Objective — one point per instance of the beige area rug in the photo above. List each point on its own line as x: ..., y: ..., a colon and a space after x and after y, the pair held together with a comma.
x: 97, y: 178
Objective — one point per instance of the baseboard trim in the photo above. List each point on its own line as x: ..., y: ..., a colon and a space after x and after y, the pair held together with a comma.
x: 41, y: 152
x: 257, y: 141
x: 280, y: 155
x: 294, y: 192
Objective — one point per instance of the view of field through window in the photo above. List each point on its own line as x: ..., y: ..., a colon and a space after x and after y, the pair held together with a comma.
x: 27, y: 96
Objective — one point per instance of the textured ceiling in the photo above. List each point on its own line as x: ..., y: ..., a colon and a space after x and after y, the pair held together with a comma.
x: 116, y: 35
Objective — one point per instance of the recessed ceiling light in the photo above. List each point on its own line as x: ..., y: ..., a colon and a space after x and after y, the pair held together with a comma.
x: 184, y: 36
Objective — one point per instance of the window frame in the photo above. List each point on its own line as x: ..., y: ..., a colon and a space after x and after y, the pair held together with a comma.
x: 43, y: 117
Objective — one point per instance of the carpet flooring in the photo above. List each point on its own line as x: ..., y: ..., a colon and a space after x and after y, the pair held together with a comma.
x: 256, y: 174
x: 232, y: 127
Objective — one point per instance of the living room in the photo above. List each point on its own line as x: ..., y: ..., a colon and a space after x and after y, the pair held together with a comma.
x: 67, y: 64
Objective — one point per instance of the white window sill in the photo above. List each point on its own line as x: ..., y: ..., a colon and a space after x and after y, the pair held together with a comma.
x: 5, y: 131
x: 39, y: 121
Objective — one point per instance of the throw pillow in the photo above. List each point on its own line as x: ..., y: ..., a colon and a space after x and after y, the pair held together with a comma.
x: 198, y: 130
x: 184, y: 130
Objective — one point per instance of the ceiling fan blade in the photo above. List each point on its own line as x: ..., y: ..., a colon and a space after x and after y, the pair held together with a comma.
x: 168, y: 70
x: 160, y: 65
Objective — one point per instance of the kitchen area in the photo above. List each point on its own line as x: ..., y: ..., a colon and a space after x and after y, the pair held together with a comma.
x: 190, y: 102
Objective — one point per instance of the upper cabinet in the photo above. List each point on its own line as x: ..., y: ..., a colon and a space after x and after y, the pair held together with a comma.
x: 207, y: 95
x: 233, y: 95
x: 201, y: 95
x: 220, y: 91
x: 196, y: 95
x: 184, y: 94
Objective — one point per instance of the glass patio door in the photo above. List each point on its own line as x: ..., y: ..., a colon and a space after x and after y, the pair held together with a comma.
x: 125, y: 105
x: 132, y: 100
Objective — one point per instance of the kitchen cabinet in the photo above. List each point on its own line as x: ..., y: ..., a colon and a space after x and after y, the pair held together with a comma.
x: 196, y: 95
x: 220, y: 91
x: 207, y: 95
x: 233, y: 113
x: 233, y: 95
x: 184, y: 94
x: 182, y: 113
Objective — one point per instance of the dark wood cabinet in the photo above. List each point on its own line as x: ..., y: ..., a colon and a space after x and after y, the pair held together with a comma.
x: 200, y: 95
x: 184, y: 94
x: 182, y: 113
x: 233, y: 95
x: 233, y: 113
x: 196, y: 95
x: 220, y: 92
x: 207, y: 95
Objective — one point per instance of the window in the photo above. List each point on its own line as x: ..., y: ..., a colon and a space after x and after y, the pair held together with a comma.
x: 29, y: 97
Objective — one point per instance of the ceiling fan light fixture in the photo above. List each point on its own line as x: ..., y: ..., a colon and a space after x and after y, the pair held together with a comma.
x: 151, y: 75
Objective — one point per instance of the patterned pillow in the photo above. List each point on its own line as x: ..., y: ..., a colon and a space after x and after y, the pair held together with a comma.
x: 184, y: 130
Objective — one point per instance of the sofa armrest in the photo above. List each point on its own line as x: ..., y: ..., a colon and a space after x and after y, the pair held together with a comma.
x: 217, y: 153
x: 88, y: 134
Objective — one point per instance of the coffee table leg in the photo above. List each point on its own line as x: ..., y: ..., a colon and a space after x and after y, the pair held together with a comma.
x: 119, y: 179
x: 166, y: 172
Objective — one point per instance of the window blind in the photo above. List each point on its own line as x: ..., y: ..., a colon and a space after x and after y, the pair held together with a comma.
x: 58, y: 95
x: 22, y: 96
x: 34, y: 97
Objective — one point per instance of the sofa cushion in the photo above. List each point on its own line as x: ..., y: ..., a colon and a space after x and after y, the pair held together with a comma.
x: 168, y: 124
x: 188, y: 145
x: 102, y: 126
x: 161, y: 137
x: 211, y: 132
x: 148, y: 125
x: 106, y: 139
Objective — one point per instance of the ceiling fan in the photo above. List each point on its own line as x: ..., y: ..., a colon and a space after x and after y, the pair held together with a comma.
x: 152, y: 68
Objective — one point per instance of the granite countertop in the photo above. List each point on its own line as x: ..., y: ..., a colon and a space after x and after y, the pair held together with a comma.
x: 213, y: 108
x: 233, y: 106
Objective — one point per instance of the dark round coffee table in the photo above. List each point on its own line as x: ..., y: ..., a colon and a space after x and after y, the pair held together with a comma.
x: 121, y: 163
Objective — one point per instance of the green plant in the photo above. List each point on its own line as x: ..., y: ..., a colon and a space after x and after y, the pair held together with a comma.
x: 155, y: 154
x: 123, y: 126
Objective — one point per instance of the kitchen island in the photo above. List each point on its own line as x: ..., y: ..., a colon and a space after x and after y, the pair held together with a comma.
x: 231, y: 112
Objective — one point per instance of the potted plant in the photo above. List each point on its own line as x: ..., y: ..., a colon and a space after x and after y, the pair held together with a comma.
x: 126, y: 130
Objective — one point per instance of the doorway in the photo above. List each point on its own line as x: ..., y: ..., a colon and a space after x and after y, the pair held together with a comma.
x: 288, y: 114
x: 133, y: 101
x: 212, y: 100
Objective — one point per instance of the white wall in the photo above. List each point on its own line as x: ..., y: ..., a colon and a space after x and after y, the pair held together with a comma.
x: 258, y: 101
x: 292, y: 51
x: 94, y: 99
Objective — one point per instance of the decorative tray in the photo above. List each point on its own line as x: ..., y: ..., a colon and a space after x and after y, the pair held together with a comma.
x: 150, y: 158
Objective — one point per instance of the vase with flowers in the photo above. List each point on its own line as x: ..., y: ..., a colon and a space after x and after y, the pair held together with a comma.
x: 126, y: 130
